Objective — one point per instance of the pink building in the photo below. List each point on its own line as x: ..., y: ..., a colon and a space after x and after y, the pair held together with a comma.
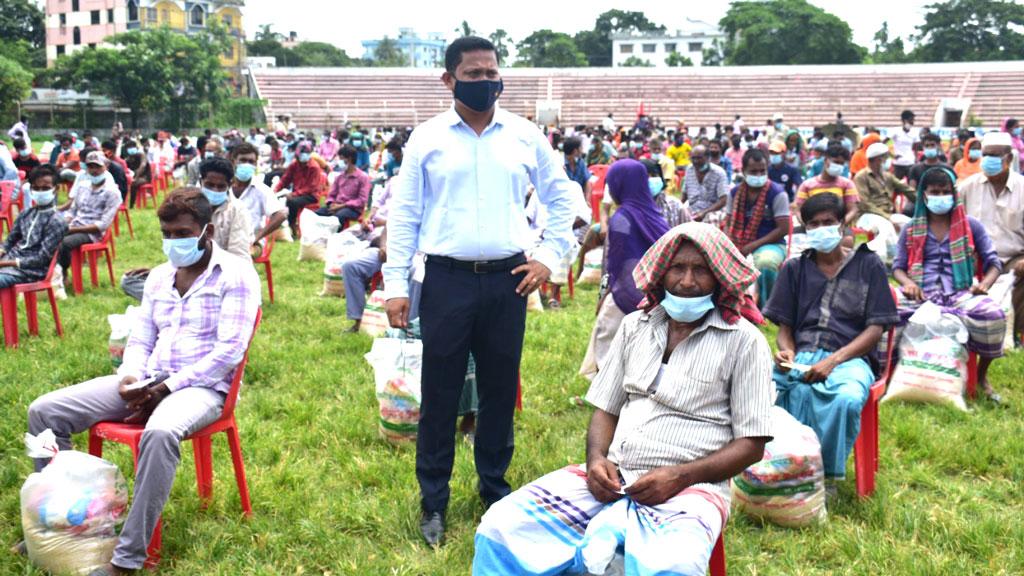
x: 72, y: 25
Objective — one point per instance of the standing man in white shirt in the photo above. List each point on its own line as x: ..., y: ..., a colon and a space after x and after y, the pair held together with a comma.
x: 460, y: 199
x: 903, y: 140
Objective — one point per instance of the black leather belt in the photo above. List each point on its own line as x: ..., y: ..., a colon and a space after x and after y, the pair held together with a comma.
x: 479, y: 266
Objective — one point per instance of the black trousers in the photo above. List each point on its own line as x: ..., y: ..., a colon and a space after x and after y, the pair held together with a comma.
x: 296, y: 205
x: 462, y: 311
x: 67, y: 245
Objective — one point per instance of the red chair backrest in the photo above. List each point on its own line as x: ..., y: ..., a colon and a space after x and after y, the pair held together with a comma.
x: 7, y: 189
x: 599, y: 170
x: 236, y: 381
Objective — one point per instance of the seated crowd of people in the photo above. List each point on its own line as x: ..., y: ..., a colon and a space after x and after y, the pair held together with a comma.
x: 698, y: 229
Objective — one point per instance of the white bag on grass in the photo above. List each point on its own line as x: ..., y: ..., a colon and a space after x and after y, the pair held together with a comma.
x: 592, y: 267
x: 57, y: 283
x: 120, y: 331
x: 315, y: 230
x: 787, y: 487
x: 933, y: 359
x: 375, y: 318
x: 340, y: 247
x: 70, y: 509
x: 397, y: 364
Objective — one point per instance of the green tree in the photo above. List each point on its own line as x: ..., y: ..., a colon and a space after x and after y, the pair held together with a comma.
x: 635, y: 61
x: 970, y: 31
x: 713, y: 54
x: 149, y: 70
x: 22, y: 20
x: 15, y: 83
x: 320, y: 54
x: 387, y: 54
x: 501, y: 41
x: 596, y: 44
x: 674, y: 59
x: 786, y: 32
x: 547, y: 49
x: 465, y: 30
x: 888, y: 50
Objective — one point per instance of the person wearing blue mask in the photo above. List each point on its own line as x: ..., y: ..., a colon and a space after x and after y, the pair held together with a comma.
x: 831, y: 181
x: 777, y: 129
x: 832, y: 305
x: 460, y: 198
x: 931, y: 156
x: 759, y: 219
x: 705, y: 188
x: 197, y: 317
x: 937, y: 258
x: 995, y: 196
x: 266, y: 212
x: 781, y: 172
x: 92, y: 206
x: 656, y: 481
x: 37, y: 232
x: 306, y: 180
x: 672, y: 210
x: 232, y: 228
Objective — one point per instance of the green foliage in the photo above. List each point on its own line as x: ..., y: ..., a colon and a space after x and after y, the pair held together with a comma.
x: 713, y: 55
x: 387, y: 54
x: 238, y: 113
x: 888, y: 51
x: 596, y: 44
x: 464, y: 29
x: 675, y: 59
x: 547, y: 49
x: 15, y: 83
x: 22, y: 20
x: 786, y: 32
x: 304, y: 54
x: 329, y: 496
x: 635, y: 61
x: 501, y: 41
x: 321, y: 54
x: 30, y: 57
x: 148, y: 70
x: 970, y: 31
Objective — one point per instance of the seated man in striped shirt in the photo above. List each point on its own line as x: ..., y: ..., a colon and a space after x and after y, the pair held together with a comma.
x: 197, y: 315
x: 681, y: 406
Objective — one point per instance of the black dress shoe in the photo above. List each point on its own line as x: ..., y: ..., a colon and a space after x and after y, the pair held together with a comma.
x: 432, y: 528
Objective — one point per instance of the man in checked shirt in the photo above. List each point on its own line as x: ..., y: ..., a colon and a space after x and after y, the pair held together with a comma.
x: 197, y: 315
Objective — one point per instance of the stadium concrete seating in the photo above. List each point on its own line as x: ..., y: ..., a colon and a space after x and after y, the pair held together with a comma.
x: 807, y: 95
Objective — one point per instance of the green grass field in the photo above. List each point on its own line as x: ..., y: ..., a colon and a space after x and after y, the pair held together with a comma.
x: 330, y: 497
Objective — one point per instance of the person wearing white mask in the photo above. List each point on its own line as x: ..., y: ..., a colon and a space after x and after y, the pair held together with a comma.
x: 93, y: 204
x: 26, y: 253
x: 877, y: 187
x: 832, y: 181
x: 232, y: 227
x: 198, y: 314
x: 266, y: 212
x: 995, y: 196
x: 832, y: 305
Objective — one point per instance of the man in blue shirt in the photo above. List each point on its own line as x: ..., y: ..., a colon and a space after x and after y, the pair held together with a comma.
x: 460, y: 199
x: 781, y: 172
x: 575, y: 165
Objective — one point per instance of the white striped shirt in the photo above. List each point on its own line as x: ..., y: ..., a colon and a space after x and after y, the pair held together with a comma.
x: 717, y: 386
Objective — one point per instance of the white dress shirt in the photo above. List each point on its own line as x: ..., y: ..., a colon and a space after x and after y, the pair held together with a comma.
x: 463, y: 196
x: 260, y: 201
x: 1002, y: 214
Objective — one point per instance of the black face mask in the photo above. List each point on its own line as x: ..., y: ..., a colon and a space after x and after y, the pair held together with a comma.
x: 479, y: 95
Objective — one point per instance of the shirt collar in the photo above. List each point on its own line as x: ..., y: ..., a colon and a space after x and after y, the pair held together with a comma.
x: 453, y: 119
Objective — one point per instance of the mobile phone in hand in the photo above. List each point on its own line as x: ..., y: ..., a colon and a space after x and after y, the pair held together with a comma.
x: 150, y: 382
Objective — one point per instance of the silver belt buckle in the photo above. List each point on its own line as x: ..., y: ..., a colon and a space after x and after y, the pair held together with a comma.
x: 476, y: 267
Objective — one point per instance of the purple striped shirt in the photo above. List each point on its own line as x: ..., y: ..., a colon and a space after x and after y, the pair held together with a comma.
x: 198, y: 338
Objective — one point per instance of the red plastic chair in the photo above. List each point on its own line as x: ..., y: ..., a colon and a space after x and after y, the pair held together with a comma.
x: 7, y: 205
x: 131, y: 435
x: 865, y: 448
x: 144, y: 194
x: 972, y: 374
x: 123, y: 209
x: 264, y: 258
x: 105, y: 245
x: 9, y: 306
x: 597, y: 190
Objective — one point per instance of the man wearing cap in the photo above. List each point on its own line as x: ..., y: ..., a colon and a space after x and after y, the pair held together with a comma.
x: 878, y: 187
x: 995, y: 196
x: 95, y: 199
x: 781, y: 172
x: 778, y: 129
x: 903, y: 139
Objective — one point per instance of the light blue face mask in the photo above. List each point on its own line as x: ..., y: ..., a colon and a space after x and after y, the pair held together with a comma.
x: 207, y: 155
x: 656, y: 185
x: 836, y: 170
x: 939, y: 204
x: 41, y: 197
x: 931, y: 152
x: 776, y: 159
x: 683, y: 309
x: 304, y: 157
x: 132, y: 151
x: 824, y: 238
x: 244, y: 172
x: 756, y: 181
x: 1017, y: 131
x: 991, y: 165
x: 216, y: 198
x: 183, y: 252
x: 98, y: 179
x: 974, y: 154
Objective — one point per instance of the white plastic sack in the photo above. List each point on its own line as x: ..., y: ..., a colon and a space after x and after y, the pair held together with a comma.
x: 787, y: 487
x: 69, y: 512
x: 561, y: 274
x: 1002, y: 293
x: 120, y: 331
x: 375, y: 318
x: 933, y: 359
x: 283, y: 234
x: 57, y: 283
x: 592, y: 267
x: 886, y: 237
x: 397, y: 364
x: 315, y: 230
x: 340, y: 247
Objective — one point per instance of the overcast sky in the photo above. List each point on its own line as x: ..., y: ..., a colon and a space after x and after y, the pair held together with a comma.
x: 347, y: 23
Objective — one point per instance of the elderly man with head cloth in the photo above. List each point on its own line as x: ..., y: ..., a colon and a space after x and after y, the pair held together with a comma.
x: 681, y: 405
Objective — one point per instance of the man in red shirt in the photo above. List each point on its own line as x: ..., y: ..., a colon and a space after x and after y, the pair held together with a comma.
x: 306, y: 180
x: 68, y: 161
